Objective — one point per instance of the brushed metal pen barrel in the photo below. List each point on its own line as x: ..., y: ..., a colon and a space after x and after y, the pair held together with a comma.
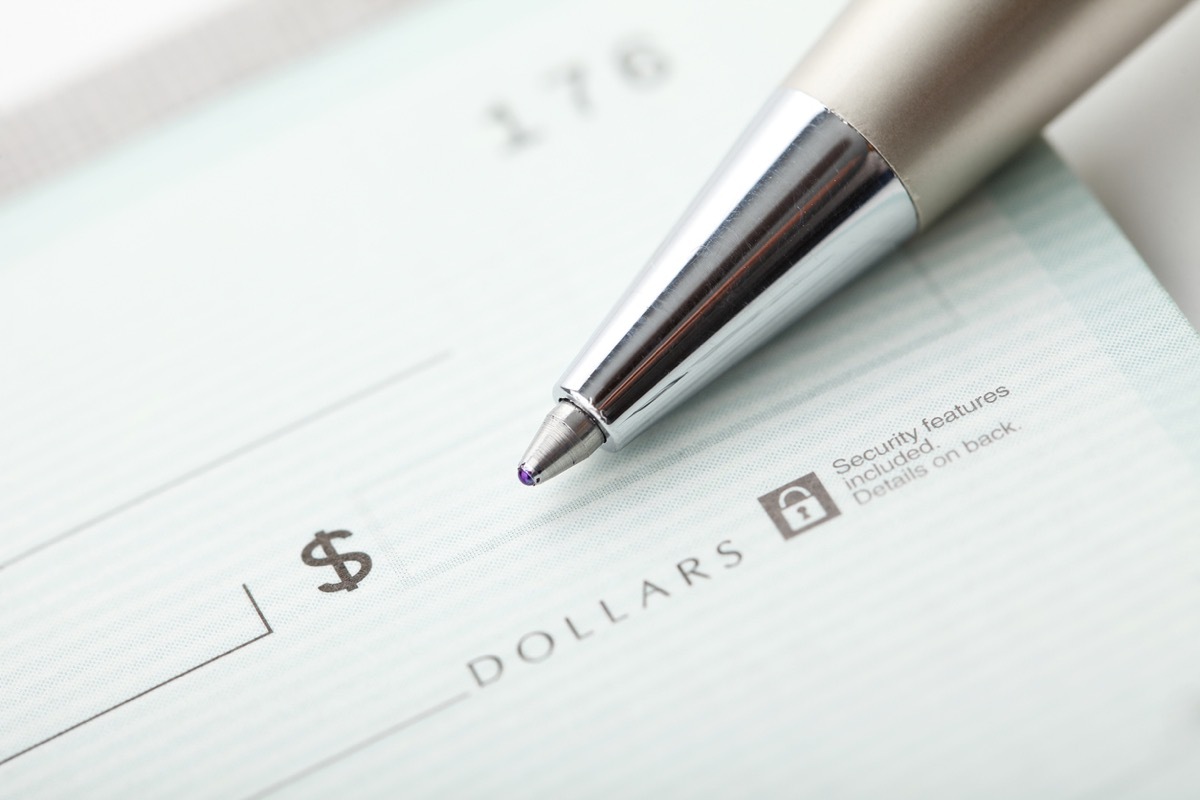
x: 901, y: 108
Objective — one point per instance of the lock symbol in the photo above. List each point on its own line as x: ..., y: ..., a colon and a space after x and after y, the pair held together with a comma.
x: 800, y: 509
x: 797, y: 506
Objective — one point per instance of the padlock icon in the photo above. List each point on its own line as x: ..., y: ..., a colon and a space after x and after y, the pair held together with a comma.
x: 800, y: 509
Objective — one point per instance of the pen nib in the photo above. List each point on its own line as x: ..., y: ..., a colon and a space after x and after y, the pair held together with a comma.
x: 567, y: 436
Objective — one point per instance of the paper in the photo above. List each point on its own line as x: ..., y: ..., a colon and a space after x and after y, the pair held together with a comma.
x: 268, y: 371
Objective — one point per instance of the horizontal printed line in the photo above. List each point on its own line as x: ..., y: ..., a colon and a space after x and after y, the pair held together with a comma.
x: 233, y: 455
x: 357, y: 746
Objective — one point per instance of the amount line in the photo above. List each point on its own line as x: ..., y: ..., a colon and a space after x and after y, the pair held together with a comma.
x: 362, y: 744
x: 232, y: 455
x: 269, y: 630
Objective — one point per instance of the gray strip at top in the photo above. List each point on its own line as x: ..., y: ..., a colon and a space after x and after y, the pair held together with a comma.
x: 102, y: 108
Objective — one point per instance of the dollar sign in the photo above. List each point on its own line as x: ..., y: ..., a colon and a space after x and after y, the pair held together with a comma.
x: 336, y: 560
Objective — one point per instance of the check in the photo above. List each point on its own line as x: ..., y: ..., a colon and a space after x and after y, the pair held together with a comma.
x: 939, y: 539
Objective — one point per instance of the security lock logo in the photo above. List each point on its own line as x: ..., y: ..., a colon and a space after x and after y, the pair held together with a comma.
x: 799, y: 505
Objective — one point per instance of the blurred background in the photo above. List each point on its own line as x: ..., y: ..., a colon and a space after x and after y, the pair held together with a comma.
x: 77, y: 78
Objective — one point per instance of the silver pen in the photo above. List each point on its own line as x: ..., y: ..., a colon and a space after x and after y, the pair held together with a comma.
x: 899, y: 109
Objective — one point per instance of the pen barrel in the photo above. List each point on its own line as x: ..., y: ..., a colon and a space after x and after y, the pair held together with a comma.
x: 801, y: 205
x: 947, y: 90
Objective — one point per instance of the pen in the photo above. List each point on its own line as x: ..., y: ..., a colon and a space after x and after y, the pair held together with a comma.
x: 899, y: 109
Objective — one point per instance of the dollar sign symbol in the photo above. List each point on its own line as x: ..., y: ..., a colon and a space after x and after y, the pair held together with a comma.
x: 336, y: 560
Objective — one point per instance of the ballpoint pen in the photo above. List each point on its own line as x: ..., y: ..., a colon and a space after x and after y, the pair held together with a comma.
x: 900, y: 108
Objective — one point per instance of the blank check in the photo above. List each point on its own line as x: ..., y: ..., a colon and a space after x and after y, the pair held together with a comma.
x: 939, y: 539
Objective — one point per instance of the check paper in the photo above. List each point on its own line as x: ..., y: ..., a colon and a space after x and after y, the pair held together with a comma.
x: 268, y: 370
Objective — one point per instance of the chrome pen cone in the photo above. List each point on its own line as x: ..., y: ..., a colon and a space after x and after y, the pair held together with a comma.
x: 567, y: 436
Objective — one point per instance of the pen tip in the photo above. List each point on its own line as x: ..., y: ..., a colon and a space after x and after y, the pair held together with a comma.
x: 567, y: 436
